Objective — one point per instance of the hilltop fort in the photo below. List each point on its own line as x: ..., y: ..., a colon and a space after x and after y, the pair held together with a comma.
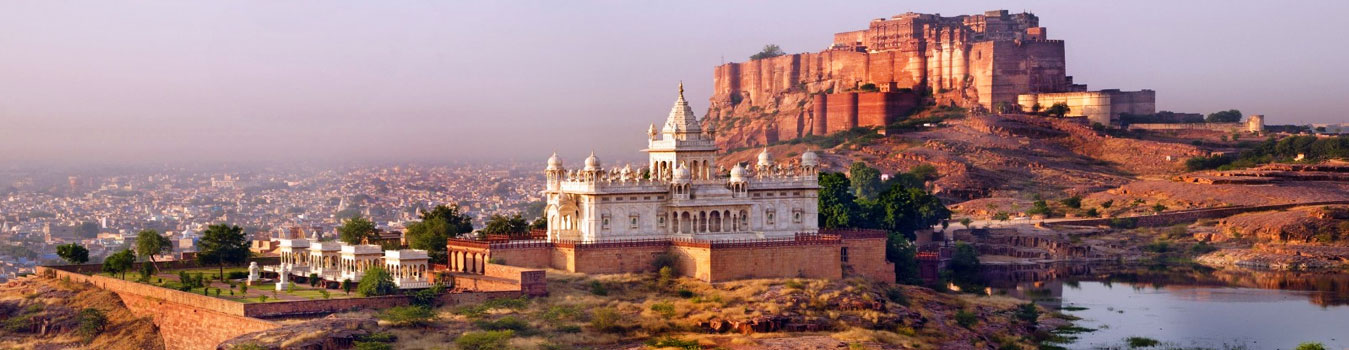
x: 871, y: 77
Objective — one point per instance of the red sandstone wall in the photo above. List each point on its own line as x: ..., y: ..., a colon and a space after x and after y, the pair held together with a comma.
x: 819, y: 117
x: 841, y: 112
x: 883, y: 108
x: 617, y: 259
x: 535, y: 257
x: 866, y: 258
x: 186, y: 321
x: 808, y: 261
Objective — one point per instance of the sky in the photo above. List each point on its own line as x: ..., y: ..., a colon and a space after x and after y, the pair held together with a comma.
x: 130, y: 82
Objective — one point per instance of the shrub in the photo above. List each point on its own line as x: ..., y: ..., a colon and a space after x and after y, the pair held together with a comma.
x: 664, y: 260
x: 426, y: 297
x: 666, y: 310
x: 1027, y: 313
x: 1202, y: 248
x: 511, y: 323
x: 376, y: 282
x: 966, y: 319
x: 794, y: 284
x: 684, y: 293
x: 1141, y: 342
x: 1158, y: 247
x: 1310, y: 346
x: 370, y: 345
x: 237, y: 275
x: 667, y: 276
x: 92, y: 322
x: 672, y: 342
x: 598, y: 288
x: 1093, y: 213
x: 409, y: 315
x: 1123, y: 223
x: 897, y: 296
x: 607, y: 319
x: 1107, y: 204
x: 1072, y: 202
x: 489, y: 340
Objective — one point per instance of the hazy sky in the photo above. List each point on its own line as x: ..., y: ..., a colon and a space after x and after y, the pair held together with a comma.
x: 167, y: 81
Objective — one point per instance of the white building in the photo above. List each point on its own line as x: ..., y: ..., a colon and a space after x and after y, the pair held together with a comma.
x: 682, y: 193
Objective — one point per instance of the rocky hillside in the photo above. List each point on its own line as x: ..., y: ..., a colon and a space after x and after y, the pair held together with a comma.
x: 986, y: 155
x: 40, y: 313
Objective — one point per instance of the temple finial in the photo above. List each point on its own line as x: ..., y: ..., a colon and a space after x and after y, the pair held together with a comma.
x: 681, y: 89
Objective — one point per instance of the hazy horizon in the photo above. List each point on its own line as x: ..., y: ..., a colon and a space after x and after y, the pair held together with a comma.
x: 156, y: 82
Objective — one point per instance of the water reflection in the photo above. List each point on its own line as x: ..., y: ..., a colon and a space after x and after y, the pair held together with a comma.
x: 1188, y: 306
x: 1036, y: 281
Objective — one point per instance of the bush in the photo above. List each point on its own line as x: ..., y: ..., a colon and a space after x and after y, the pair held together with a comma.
x: 684, y: 293
x: 672, y: 342
x: 1202, y: 248
x: 510, y: 323
x: 426, y: 297
x: 1093, y: 213
x: 664, y: 260
x: 1310, y: 346
x: 376, y: 282
x: 598, y: 288
x: 1074, y: 202
x: 408, y: 315
x: 966, y: 319
x: 237, y: 275
x: 897, y: 296
x: 666, y: 310
x: 1158, y: 247
x: 1123, y: 223
x: 607, y: 319
x: 489, y: 340
x: 667, y: 276
x: 1141, y: 342
x: 1027, y: 313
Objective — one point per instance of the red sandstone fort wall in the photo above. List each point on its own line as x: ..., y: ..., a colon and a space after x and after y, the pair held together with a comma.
x: 806, y: 261
x: 841, y: 112
x: 617, y: 259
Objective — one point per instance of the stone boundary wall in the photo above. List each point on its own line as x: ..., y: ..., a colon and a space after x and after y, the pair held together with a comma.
x: 1224, y: 127
x: 186, y: 321
x: 1178, y: 217
x: 806, y: 261
x: 93, y: 269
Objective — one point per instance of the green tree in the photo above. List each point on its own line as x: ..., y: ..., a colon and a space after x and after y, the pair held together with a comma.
x: 506, y: 225
x: 376, y: 282
x: 540, y: 224
x: 1227, y: 116
x: 866, y: 181
x: 1058, y: 110
x: 769, y: 51
x: 73, y: 253
x: 119, y: 263
x: 966, y: 222
x: 347, y: 286
x: 437, y: 226
x: 223, y: 244
x: 92, y: 322
x: 1074, y: 202
x: 356, y: 230
x: 838, y: 205
x: 150, y: 243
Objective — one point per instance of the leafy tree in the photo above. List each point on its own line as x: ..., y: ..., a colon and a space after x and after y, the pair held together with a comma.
x: 1058, y: 110
x: 506, y: 225
x: 223, y: 244
x: 866, y: 181
x: 150, y: 243
x: 838, y: 205
x: 1227, y: 116
x: 119, y: 263
x: 356, y: 230
x: 437, y: 226
x: 1074, y: 202
x: 376, y: 282
x: 769, y: 51
x: 966, y: 222
x: 1039, y: 207
x: 347, y: 286
x: 540, y: 223
x: 965, y: 268
x: 73, y: 253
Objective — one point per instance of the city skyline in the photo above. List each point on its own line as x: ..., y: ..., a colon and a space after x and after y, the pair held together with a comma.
x: 168, y: 83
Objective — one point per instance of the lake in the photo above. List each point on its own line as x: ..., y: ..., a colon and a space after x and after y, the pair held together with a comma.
x: 1194, y: 307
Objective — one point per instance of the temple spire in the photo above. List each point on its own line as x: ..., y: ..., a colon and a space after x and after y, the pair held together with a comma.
x: 681, y: 90
x: 682, y: 120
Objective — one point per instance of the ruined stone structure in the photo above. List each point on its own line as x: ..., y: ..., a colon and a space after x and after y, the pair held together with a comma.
x: 1103, y: 106
x: 985, y: 60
